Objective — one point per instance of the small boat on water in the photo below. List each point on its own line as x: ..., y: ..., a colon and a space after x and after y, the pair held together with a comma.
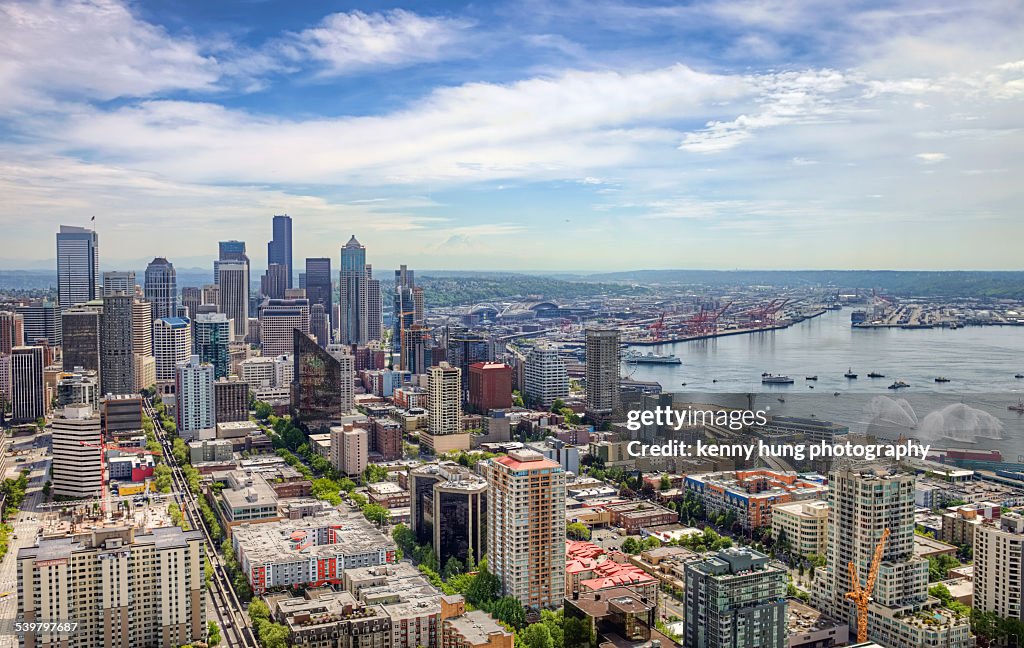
x: 835, y: 393
x: 810, y: 378
x: 899, y: 384
x: 942, y: 379
x: 773, y: 379
x: 875, y: 374
x: 810, y: 386
x: 1018, y: 375
x: 849, y: 374
x: 1018, y: 407
x: 781, y: 399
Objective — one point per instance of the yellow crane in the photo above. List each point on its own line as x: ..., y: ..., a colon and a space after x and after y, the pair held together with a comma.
x: 862, y: 595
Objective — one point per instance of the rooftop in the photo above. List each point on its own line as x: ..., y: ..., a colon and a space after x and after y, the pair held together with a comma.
x: 476, y: 627
x: 291, y: 540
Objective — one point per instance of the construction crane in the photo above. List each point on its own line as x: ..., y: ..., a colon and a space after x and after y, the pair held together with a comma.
x: 103, y: 447
x: 862, y: 595
x: 657, y: 328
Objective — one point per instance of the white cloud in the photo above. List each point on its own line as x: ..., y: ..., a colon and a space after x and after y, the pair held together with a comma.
x: 932, y: 158
x: 348, y: 42
x: 77, y: 49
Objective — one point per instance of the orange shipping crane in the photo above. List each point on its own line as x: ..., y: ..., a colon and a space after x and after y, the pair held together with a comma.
x: 862, y: 595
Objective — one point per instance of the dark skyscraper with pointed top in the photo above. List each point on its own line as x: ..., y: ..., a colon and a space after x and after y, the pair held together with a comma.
x: 161, y: 288
x: 279, y: 249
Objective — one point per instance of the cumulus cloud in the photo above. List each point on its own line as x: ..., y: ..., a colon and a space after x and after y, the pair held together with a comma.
x: 354, y: 41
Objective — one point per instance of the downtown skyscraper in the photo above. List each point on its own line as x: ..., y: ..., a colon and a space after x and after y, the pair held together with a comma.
x: 279, y: 249
x: 117, y: 360
x: 78, y: 266
x: 233, y: 294
x: 403, y: 313
x: 603, y: 359
x: 353, y: 294
x: 318, y: 283
x: 161, y: 288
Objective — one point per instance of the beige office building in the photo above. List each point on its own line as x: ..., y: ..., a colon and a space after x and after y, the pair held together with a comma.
x: 801, y: 526
x: 350, y: 447
x: 998, y: 566
x: 77, y: 467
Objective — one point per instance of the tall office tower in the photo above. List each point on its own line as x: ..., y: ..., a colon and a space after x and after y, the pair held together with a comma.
x: 352, y: 293
x: 78, y: 387
x: 444, y: 400
x: 123, y: 589
x: 142, y: 327
x: 279, y: 250
x: 402, y: 313
x: 448, y: 507
x: 27, y: 390
x: 162, y: 288
x: 78, y: 265
x: 321, y: 380
x: 349, y: 449
x: 77, y: 467
x: 416, y: 354
x: 302, y: 280
x: 319, y: 324
x: 12, y: 331
x: 278, y: 318
x: 117, y: 282
x: 172, y: 344
x: 318, y: 284
x: 233, y: 295
x: 41, y: 321
x: 999, y: 566
x: 191, y: 298
x: 210, y: 295
x: 274, y: 281
x: 80, y: 328
x: 117, y: 362
x: 374, y: 307
x: 864, y: 500
x: 231, y: 251
x: 417, y: 304
x: 735, y: 599
x: 465, y: 347
x: 545, y: 378
x: 194, y: 409
x: 211, y: 335
x: 602, y: 354
x: 231, y: 400
x: 526, y: 527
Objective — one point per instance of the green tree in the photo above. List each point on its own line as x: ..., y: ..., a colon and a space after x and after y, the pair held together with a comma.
x: 630, y: 545
x: 665, y: 483
x: 376, y: 513
x: 452, y: 567
x: 375, y: 473
x: 578, y: 633
x: 213, y: 634
x: 509, y: 610
x: 262, y: 410
x: 162, y: 478
x: 537, y: 635
x: 578, y: 531
x: 259, y: 610
x: 180, y: 451
x: 486, y: 587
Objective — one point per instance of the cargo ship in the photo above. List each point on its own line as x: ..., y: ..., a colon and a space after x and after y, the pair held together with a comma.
x: 772, y: 379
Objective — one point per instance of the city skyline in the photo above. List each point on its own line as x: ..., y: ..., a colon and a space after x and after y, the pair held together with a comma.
x: 499, y: 137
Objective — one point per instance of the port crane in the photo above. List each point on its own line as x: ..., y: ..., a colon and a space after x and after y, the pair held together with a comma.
x: 657, y: 327
x: 862, y: 595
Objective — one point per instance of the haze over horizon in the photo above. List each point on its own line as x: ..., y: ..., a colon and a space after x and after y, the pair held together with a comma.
x: 568, y: 137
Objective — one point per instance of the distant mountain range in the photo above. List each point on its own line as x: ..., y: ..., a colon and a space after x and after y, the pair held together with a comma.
x: 450, y: 287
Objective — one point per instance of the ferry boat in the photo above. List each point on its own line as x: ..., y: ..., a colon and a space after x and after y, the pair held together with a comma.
x: 849, y: 374
x: 651, y: 358
x: 772, y: 379
x: 875, y: 374
x: 942, y: 379
x: 899, y: 384
x: 1019, y: 407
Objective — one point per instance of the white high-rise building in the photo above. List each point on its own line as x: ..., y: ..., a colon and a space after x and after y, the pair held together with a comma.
x: 864, y: 500
x: 526, y: 527
x: 278, y: 320
x: 118, y: 282
x: 233, y: 294
x: 77, y: 468
x: 121, y: 588
x: 999, y: 566
x: 195, y: 407
x: 78, y: 266
x: 172, y: 344
x: 545, y: 378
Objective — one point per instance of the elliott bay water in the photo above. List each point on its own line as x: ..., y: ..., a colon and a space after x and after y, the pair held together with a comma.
x: 970, y: 411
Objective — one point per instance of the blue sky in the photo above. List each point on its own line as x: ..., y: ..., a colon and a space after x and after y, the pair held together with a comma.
x: 571, y: 135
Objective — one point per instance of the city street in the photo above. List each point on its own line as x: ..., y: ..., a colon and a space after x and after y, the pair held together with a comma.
x: 26, y: 526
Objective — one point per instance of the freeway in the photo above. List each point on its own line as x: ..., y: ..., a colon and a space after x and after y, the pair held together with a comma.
x: 231, y: 616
